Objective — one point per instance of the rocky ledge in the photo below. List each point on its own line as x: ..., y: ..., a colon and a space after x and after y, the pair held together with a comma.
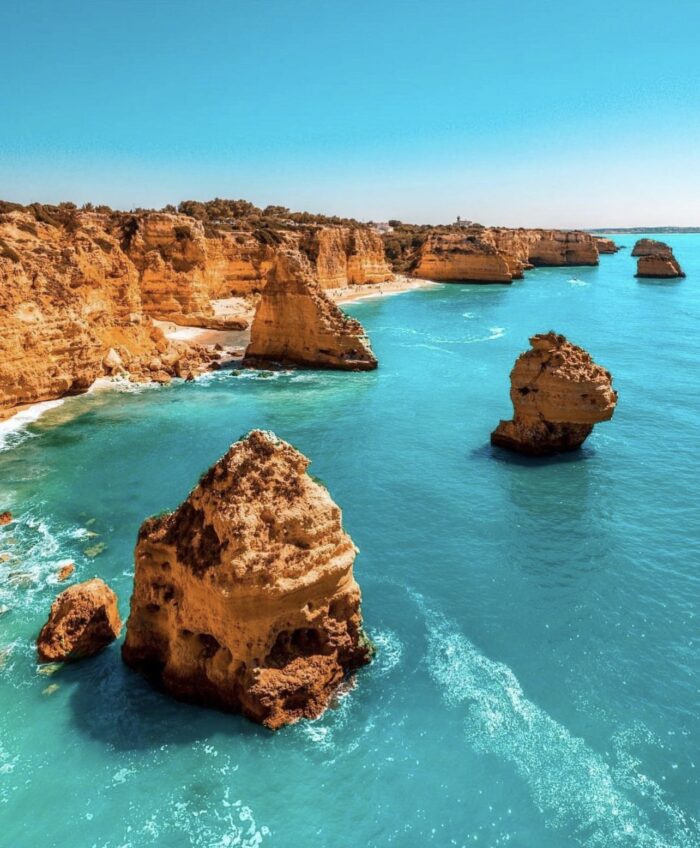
x: 606, y: 245
x: 83, y: 620
x: 296, y: 323
x: 558, y: 394
x: 244, y: 597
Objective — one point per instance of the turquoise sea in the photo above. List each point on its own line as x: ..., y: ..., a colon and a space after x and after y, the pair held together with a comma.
x: 537, y: 682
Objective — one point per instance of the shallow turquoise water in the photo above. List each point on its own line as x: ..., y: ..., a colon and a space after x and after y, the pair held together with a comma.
x: 538, y: 680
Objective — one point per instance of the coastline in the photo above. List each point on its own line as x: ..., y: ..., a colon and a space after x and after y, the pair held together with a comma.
x: 235, y: 340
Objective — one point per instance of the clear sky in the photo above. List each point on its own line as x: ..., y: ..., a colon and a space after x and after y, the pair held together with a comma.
x: 515, y: 112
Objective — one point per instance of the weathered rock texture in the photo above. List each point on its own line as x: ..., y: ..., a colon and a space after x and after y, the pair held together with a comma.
x: 78, y: 294
x: 497, y: 254
x: 558, y: 394
x: 606, y: 245
x: 297, y: 324
x: 651, y: 247
x: 84, y: 619
x: 659, y: 265
x: 244, y: 597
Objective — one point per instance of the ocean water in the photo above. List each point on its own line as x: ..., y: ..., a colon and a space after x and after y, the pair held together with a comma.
x: 537, y: 681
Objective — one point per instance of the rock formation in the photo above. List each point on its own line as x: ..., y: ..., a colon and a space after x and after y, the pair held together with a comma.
x: 5, y: 518
x: 662, y: 265
x: 79, y: 290
x: 498, y: 254
x: 297, y: 324
x: 558, y: 394
x: 244, y: 597
x: 606, y: 245
x: 651, y: 247
x: 84, y: 619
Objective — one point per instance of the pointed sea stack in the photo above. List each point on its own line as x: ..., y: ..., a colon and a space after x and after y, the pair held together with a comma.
x: 244, y: 597
x: 297, y: 324
x: 558, y: 394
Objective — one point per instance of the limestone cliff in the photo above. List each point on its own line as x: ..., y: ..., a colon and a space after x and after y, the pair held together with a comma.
x: 297, y: 324
x: 70, y: 300
x: 244, y: 597
x: 498, y: 254
x: 606, y: 245
x: 84, y: 619
x: 660, y: 265
x: 558, y: 394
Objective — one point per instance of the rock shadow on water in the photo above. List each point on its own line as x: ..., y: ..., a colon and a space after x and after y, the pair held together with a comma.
x: 491, y: 452
x: 113, y: 704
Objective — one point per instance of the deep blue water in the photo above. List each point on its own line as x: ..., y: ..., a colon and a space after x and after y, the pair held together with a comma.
x: 537, y: 682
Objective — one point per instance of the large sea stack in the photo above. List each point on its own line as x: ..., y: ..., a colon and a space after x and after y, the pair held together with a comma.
x: 558, y: 394
x: 244, y: 597
x: 296, y: 323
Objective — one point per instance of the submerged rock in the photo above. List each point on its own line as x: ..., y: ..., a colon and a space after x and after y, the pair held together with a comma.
x: 661, y: 265
x: 558, y: 394
x: 244, y: 597
x: 296, y: 323
x: 84, y: 619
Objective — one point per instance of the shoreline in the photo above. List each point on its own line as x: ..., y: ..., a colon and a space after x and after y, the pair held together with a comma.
x: 21, y: 416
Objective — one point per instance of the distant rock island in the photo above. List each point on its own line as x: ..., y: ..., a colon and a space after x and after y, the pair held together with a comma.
x: 558, y: 394
x: 656, y: 259
x: 658, y: 230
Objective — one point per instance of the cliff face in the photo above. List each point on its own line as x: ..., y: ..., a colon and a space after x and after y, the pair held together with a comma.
x: 606, y: 245
x: 558, y: 394
x: 77, y: 298
x: 297, y: 324
x: 499, y: 255
x: 660, y: 265
x: 244, y: 597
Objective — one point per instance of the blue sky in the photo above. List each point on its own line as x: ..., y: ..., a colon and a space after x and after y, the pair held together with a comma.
x: 516, y: 113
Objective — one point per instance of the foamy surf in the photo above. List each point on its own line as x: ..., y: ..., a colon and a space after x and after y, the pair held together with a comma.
x: 574, y: 787
x: 11, y: 430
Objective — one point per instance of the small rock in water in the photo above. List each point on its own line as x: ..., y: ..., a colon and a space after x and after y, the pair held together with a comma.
x: 90, y: 522
x: 95, y: 550
x: 4, y: 557
x: 50, y: 689
x: 65, y: 571
x: 4, y: 609
x: 5, y: 655
x: 21, y: 579
x: 5, y: 518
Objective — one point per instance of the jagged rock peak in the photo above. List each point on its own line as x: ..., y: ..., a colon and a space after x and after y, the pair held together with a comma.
x: 296, y: 323
x: 558, y: 393
x: 244, y: 597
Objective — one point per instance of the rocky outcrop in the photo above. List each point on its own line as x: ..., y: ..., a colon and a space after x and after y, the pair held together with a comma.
x: 244, y: 597
x: 498, y: 254
x: 558, y: 394
x: 660, y: 265
x: 606, y: 245
x: 84, y: 619
x: 651, y: 247
x: 297, y: 324
x: 5, y: 518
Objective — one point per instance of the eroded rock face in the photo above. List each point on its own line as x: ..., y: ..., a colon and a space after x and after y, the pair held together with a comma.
x: 649, y: 247
x: 244, y: 597
x: 84, y: 619
x: 297, y: 324
x: 499, y: 254
x: 606, y: 245
x: 661, y: 265
x: 558, y: 394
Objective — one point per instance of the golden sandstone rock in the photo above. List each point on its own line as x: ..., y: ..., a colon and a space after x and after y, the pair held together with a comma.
x: 84, y: 619
x: 498, y: 254
x: 605, y: 245
x: 297, y: 324
x: 651, y: 247
x: 558, y: 394
x: 244, y: 597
